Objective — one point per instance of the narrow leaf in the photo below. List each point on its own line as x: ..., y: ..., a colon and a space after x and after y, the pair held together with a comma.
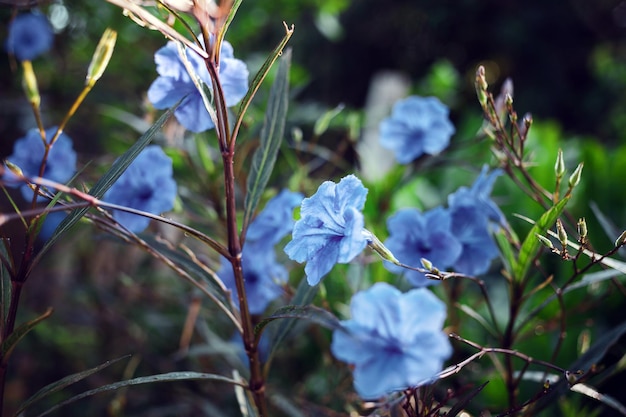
x: 65, y: 382
x: 304, y: 295
x: 532, y: 245
x: 271, y: 137
x: 224, y: 28
x: 10, y: 342
x: 310, y: 312
x: 167, y: 377
x: 603, y: 398
x: 259, y: 77
x: 506, y: 251
x: 480, y: 319
x: 108, y: 179
x: 592, y: 357
x: 464, y: 399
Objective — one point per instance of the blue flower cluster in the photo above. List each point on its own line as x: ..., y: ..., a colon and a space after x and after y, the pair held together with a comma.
x: 456, y: 237
x: 28, y: 153
x: 175, y: 83
x: 147, y: 185
x: 331, y: 228
x: 30, y: 35
x: 393, y: 340
x: 417, y: 126
x: 263, y: 275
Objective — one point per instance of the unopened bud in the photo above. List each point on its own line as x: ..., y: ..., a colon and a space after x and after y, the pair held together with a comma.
x: 527, y: 121
x: 377, y: 246
x: 561, y: 233
x: 559, y: 166
x: 18, y: 171
x: 508, y: 102
x: 574, y: 179
x: 101, y: 56
x: 481, y: 86
x: 426, y: 264
x: 582, y: 228
x: 545, y: 241
x: 621, y: 239
x: 29, y: 83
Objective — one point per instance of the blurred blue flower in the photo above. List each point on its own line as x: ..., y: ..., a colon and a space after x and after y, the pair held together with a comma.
x: 470, y: 227
x: 146, y: 185
x: 414, y: 235
x: 479, y: 195
x: 52, y: 221
x: 30, y: 35
x: 418, y: 125
x: 174, y: 83
x: 262, y: 274
x: 394, y: 340
x: 330, y: 229
x: 240, y: 351
x: 275, y: 221
x: 28, y: 153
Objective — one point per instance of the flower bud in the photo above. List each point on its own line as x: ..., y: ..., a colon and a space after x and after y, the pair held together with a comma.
x: 29, y: 82
x: 481, y: 86
x: 18, y: 171
x: 574, y: 179
x: 426, y: 264
x: 582, y: 228
x: 101, y: 56
x: 545, y: 241
x: 377, y: 246
x: 560, y: 230
x: 559, y: 166
x: 527, y: 121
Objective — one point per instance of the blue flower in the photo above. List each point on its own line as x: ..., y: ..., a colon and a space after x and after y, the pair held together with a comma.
x: 479, y: 196
x: 146, y: 185
x: 240, y: 351
x: 174, y: 83
x: 414, y: 235
x: 262, y: 274
x: 50, y: 224
x: 417, y: 126
x: 470, y: 227
x: 30, y: 35
x: 28, y: 153
x: 275, y: 221
x: 394, y: 340
x: 330, y: 229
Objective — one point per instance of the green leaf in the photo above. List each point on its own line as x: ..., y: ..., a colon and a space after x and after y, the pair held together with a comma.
x: 5, y: 280
x: 593, y: 356
x: 321, y: 125
x: 464, y: 400
x: 65, y: 382
x: 231, y: 15
x: 10, y: 342
x: 304, y: 295
x: 531, y: 245
x: 259, y: 77
x: 167, y: 377
x: 506, y: 251
x: 480, y: 319
x: 271, y: 138
x: 603, y: 398
x: 108, y: 179
x: 311, y: 313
